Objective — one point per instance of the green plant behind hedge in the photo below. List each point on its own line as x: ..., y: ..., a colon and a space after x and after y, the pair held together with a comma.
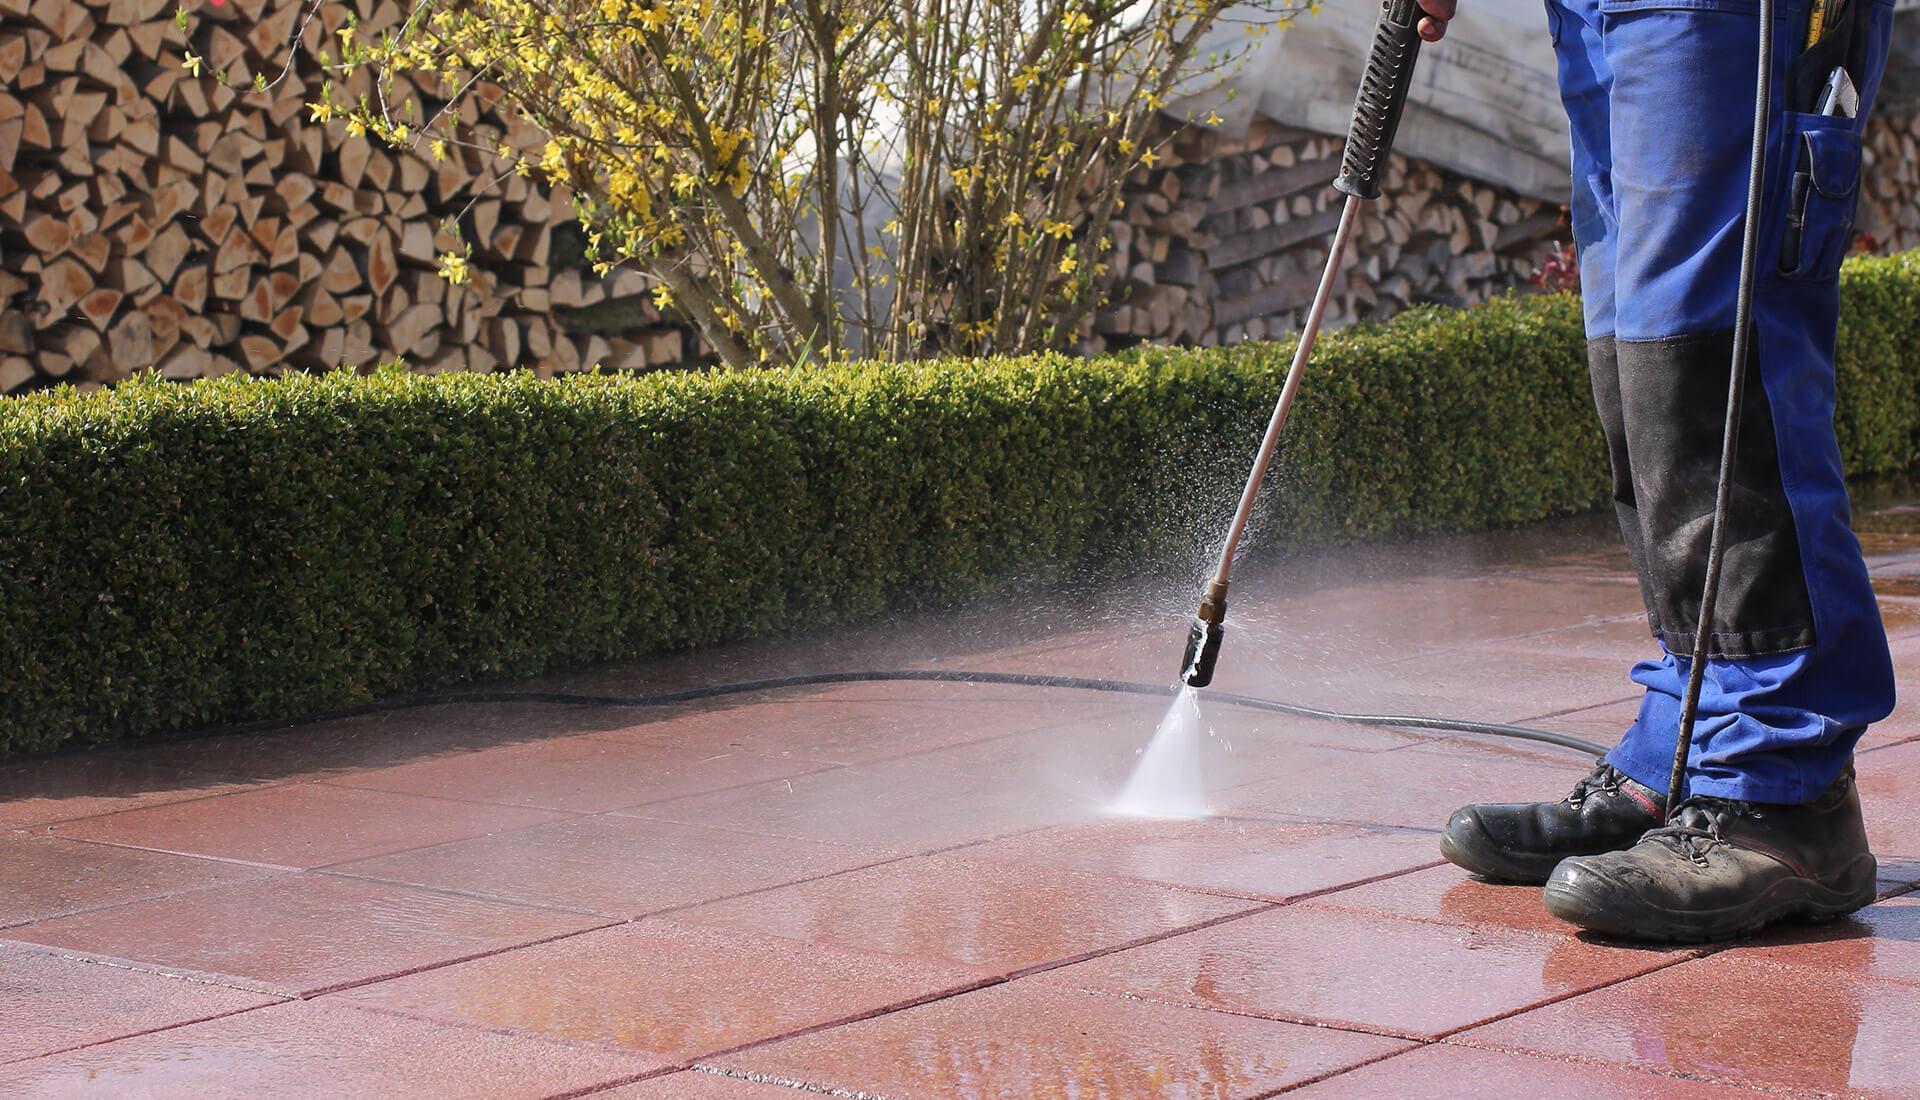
x: 175, y: 557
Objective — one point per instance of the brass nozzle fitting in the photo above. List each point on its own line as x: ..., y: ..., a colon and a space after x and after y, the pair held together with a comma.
x: 1213, y: 605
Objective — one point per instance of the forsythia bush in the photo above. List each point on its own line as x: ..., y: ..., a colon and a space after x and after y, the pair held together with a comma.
x: 895, y: 178
x: 174, y: 557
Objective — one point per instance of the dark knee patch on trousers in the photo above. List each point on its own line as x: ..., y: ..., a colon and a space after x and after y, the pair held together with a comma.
x: 1603, y: 369
x: 1672, y: 400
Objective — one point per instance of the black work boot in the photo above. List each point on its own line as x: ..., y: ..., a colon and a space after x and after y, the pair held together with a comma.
x: 1523, y: 842
x: 1720, y: 868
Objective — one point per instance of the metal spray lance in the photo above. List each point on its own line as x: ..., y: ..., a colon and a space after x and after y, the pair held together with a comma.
x: 1376, y: 116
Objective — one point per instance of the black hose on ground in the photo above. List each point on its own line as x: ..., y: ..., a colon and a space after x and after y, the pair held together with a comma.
x: 942, y: 676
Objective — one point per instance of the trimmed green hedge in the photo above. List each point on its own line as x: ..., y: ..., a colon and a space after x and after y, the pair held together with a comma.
x: 174, y: 557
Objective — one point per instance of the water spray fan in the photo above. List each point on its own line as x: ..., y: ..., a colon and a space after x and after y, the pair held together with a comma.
x: 1376, y: 116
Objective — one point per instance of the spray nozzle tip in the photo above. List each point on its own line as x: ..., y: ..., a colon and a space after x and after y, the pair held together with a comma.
x: 1203, y: 649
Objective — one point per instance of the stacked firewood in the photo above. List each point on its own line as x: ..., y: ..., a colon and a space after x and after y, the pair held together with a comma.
x: 1890, y: 164
x: 1224, y: 239
x: 157, y: 218
x: 151, y: 217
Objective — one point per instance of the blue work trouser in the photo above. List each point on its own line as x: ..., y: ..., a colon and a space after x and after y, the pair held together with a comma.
x: 1659, y: 93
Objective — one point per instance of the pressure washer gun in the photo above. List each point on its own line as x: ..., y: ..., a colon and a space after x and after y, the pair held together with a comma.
x: 1376, y: 117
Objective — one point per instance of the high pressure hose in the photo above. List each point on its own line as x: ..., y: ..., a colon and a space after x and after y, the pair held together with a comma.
x: 1736, y: 396
x: 940, y: 676
x: 1376, y: 117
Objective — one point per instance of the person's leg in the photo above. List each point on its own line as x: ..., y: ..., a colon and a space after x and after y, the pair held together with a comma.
x: 1606, y: 810
x: 1798, y: 661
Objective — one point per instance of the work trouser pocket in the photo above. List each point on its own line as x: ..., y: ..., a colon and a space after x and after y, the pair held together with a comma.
x: 1820, y: 198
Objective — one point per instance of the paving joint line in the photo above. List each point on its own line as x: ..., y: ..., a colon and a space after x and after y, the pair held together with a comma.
x: 6, y: 1061
x: 1040, y: 968
x: 871, y: 1014
x: 246, y: 786
x: 87, y: 911
x: 1576, y: 1059
x: 784, y: 1082
x: 1276, y: 1016
x: 1681, y: 957
x: 360, y: 983
x: 614, y: 1083
x: 574, y: 813
x: 1421, y: 1044
x: 1003, y: 979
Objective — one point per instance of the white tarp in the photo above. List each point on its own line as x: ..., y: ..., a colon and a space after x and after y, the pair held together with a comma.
x: 1484, y: 101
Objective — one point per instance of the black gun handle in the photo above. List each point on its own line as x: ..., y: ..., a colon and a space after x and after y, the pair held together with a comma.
x: 1383, y: 96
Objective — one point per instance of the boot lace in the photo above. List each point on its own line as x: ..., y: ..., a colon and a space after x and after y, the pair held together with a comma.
x: 1694, y: 827
x: 1604, y: 779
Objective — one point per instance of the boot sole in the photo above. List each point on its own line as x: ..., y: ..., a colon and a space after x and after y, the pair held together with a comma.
x: 1498, y: 864
x: 1612, y: 911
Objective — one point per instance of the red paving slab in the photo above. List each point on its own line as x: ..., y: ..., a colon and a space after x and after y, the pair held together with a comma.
x: 1900, y: 615
x: 43, y: 877
x: 1741, y: 1020
x: 621, y: 866
x: 343, y: 746
x: 464, y: 866
x: 1603, y: 725
x: 668, y: 989
x: 1880, y: 941
x: 297, y: 934
x: 1490, y: 684
x: 306, y: 1048
x: 1898, y: 875
x: 1308, y: 647
x: 1001, y: 917
x: 1022, y: 1040
x: 857, y: 723
x: 1448, y: 895
x: 1890, y: 799
x: 1401, y: 977
x: 1268, y: 860
x: 1234, y: 729
x: 1441, y: 1071
x: 1902, y: 726
x: 300, y: 825
x: 939, y: 798
x: 40, y: 791
x: 575, y: 774
x: 695, y: 1084
x: 51, y: 1003
x: 1415, y: 788
x: 1618, y: 640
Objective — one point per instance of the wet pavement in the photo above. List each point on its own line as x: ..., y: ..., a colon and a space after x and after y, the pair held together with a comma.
x: 914, y: 889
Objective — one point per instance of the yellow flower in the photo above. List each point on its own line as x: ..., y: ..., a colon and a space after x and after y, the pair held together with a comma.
x: 322, y: 112
x: 439, y: 149
x: 1057, y: 230
x: 453, y: 268
x: 192, y: 64
x: 663, y: 297
x: 1068, y: 264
